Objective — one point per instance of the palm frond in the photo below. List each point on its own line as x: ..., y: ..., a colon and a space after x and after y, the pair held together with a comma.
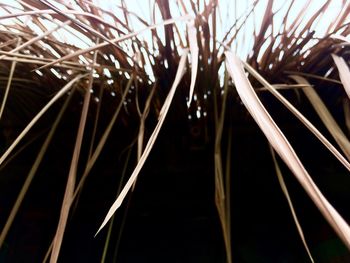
x: 137, y: 69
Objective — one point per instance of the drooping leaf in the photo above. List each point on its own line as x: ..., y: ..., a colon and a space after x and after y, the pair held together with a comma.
x: 325, y: 116
x: 281, y: 145
x: 59, y: 94
x: 70, y: 186
x: 9, y: 81
x: 32, y: 172
x: 300, y: 116
x: 192, y: 38
x: 290, y: 203
x: 150, y: 143
x: 344, y: 72
x: 222, y: 186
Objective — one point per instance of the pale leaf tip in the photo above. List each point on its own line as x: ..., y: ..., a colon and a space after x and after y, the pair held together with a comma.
x: 189, y: 103
x: 102, y: 225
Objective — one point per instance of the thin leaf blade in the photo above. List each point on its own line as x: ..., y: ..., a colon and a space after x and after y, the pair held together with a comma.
x: 150, y: 143
x: 194, y: 50
x: 283, y: 148
x: 344, y: 72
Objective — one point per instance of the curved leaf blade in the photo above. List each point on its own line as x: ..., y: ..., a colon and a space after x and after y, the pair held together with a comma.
x: 283, y: 148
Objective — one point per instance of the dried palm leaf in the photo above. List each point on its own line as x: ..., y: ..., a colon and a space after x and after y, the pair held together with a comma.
x: 283, y: 148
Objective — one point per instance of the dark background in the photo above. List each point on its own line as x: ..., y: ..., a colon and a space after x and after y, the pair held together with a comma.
x: 171, y: 215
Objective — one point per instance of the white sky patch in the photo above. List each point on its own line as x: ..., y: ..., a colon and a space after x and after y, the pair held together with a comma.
x: 39, y: 73
x: 263, y: 48
x: 116, y: 63
x: 151, y: 59
x: 55, y: 72
x: 48, y: 47
x: 58, y: 36
x: 281, y: 54
x: 47, y: 23
x: 13, y: 4
x: 148, y: 61
x: 229, y: 11
x: 107, y: 73
x: 77, y: 39
x: 127, y: 75
x: 131, y: 62
x: 149, y: 72
x: 112, y: 58
x: 34, y: 27
x: 259, y: 18
x: 83, y: 59
x: 221, y: 77
x: 58, y: 5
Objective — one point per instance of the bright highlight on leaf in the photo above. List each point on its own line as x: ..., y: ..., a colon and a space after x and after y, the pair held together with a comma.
x: 344, y: 72
x: 59, y: 94
x: 125, y: 60
x: 325, y: 116
x: 192, y: 38
x: 165, y: 108
x: 289, y: 200
x: 297, y: 114
x: 282, y: 146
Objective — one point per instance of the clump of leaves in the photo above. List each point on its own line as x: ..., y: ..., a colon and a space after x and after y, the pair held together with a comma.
x: 58, y: 47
